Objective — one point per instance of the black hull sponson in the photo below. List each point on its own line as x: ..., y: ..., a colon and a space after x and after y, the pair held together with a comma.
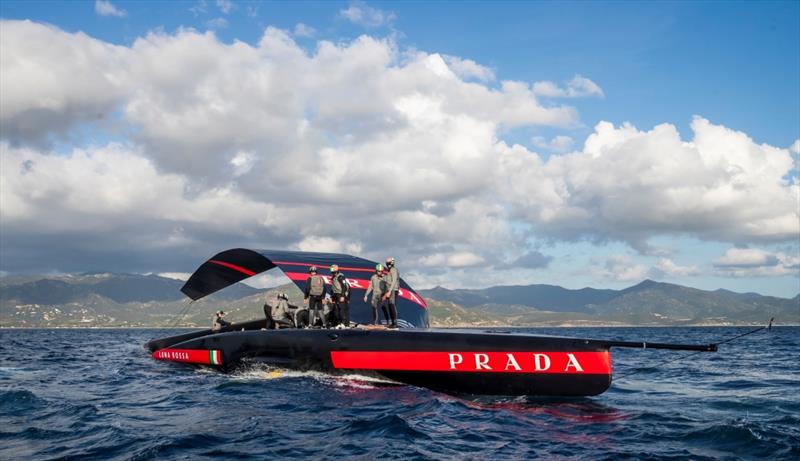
x: 453, y: 361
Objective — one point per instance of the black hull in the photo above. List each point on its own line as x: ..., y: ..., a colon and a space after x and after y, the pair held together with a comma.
x: 452, y: 361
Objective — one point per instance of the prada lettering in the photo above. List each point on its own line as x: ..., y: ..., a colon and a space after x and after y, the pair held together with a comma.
x: 577, y: 362
x: 538, y: 362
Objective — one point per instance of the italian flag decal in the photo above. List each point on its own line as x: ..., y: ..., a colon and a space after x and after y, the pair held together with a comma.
x: 215, y: 358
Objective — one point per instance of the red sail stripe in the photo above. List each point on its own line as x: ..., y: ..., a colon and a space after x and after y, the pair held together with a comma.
x: 360, y: 284
x: 356, y: 269
x: 477, y: 361
x: 201, y: 356
x: 247, y: 272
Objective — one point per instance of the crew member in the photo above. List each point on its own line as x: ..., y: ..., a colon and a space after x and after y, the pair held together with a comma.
x: 384, y: 303
x: 278, y: 315
x: 314, y: 294
x: 218, y: 322
x: 376, y: 287
x: 340, y: 296
x: 393, y: 286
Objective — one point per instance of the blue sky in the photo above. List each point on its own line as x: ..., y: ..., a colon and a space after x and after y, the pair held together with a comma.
x: 734, y: 64
x: 656, y: 63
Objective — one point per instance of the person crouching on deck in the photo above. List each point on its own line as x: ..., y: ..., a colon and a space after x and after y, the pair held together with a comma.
x: 278, y: 315
x: 340, y: 296
x: 314, y: 294
x: 218, y: 322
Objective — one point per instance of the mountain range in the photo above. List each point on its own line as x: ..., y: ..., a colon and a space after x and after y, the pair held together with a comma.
x: 104, y: 299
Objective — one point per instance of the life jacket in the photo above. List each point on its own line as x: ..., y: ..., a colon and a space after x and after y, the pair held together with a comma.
x: 340, y: 285
x: 317, y: 285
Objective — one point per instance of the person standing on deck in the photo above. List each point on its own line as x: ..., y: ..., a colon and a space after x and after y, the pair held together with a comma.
x: 376, y: 287
x: 393, y: 286
x: 340, y: 296
x: 314, y: 294
x: 383, y: 302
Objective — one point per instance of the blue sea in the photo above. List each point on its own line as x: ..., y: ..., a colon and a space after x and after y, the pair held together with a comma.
x: 96, y: 394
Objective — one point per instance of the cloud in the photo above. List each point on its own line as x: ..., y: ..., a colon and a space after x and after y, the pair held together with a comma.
x: 364, y: 15
x: 467, y: 68
x: 105, y: 8
x: 226, y: 6
x: 623, y: 268
x: 630, y: 185
x: 529, y: 260
x: 560, y: 143
x: 753, y: 262
x: 356, y: 146
x: 328, y: 245
x: 578, y: 87
x: 795, y: 147
x: 51, y: 81
x: 620, y: 268
x: 455, y: 259
x: 302, y: 30
x: 217, y: 23
x: 201, y: 7
x: 182, y: 276
x: 665, y: 267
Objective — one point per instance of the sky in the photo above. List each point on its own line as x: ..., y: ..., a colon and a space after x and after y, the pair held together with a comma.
x: 479, y: 143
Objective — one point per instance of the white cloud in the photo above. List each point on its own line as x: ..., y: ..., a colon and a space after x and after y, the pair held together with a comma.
x: 182, y: 276
x: 456, y: 259
x: 327, y: 245
x: 623, y: 268
x: 560, y: 143
x: 225, y: 6
x: 364, y: 15
x: 105, y: 8
x: 467, y: 68
x: 243, y: 162
x: 795, y: 147
x: 302, y: 30
x: 217, y: 23
x: 630, y: 185
x: 578, y: 87
x: 665, y: 267
x: 53, y: 79
x: 357, y: 146
x: 201, y: 7
x: 620, y: 268
x: 753, y: 262
x: 746, y: 257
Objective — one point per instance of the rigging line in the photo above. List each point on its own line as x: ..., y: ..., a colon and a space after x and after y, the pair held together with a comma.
x: 666, y: 362
x: 181, y: 314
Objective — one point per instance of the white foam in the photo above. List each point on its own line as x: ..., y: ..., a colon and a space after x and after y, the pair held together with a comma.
x: 260, y: 371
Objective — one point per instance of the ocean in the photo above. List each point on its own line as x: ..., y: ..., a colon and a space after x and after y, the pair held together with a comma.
x: 85, y: 394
